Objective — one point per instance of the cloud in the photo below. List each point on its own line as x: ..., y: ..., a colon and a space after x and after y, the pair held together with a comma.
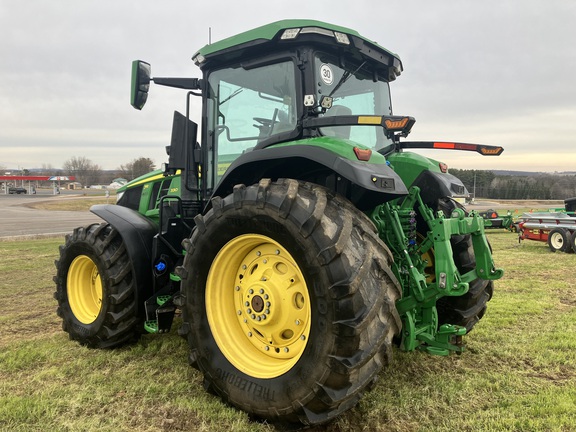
x: 494, y: 72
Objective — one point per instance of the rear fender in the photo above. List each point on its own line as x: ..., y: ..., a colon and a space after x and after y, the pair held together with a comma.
x: 137, y: 233
x: 426, y: 173
x: 365, y: 184
x: 434, y: 186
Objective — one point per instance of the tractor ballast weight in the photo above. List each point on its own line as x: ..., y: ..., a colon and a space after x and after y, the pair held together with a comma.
x: 298, y: 236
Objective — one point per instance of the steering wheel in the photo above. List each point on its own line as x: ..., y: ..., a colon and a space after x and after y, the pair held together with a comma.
x: 264, y: 122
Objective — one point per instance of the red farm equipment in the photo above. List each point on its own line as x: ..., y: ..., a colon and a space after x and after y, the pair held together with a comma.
x: 557, y: 229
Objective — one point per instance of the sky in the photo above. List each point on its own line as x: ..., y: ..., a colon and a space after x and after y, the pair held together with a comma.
x: 491, y: 72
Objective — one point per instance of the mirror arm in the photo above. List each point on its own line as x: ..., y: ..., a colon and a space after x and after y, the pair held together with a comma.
x: 183, y: 83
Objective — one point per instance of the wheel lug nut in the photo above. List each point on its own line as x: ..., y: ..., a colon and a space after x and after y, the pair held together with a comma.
x: 258, y: 253
x: 297, y: 322
x: 246, y: 303
x: 267, y: 348
x: 251, y: 291
x: 261, y: 291
x: 253, y: 316
x: 267, y: 311
x: 249, y: 334
x: 239, y: 312
x: 277, y: 252
x: 268, y: 304
x: 266, y: 296
x: 286, y: 349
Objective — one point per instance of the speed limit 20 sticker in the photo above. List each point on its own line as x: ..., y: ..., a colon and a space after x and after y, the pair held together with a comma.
x: 326, y: 74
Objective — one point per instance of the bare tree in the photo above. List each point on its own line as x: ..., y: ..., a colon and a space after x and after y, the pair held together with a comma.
x: 86, y: 172
x: 47, y: 169
x: 136, y: 168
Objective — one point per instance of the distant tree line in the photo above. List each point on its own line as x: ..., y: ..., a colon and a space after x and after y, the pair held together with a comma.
x: 487, y: 184
x: 481, y: 184
x: 88, y: 173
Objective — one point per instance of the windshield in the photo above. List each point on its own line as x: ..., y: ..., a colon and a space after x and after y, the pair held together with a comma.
x: 246, y: 106
x: 357, y: 90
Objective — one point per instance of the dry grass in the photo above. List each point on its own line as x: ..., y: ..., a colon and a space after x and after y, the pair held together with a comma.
x: 71, y: 204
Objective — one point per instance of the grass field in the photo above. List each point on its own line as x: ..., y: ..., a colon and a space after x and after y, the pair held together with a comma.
x: 72, y: 204
x: 518, y: 374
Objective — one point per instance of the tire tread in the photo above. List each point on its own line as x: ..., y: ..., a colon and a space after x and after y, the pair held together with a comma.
x: 363, y: 291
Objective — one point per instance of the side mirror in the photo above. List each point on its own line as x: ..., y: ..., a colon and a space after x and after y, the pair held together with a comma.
x: 140, y: 83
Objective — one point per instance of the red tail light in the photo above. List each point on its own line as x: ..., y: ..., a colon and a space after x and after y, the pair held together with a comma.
x: 362, y: 154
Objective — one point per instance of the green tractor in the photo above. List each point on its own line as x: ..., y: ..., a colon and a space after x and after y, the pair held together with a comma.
x: 297, y: 237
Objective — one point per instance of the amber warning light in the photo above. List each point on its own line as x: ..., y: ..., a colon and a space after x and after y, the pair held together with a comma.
x: 489, y: 151
x: 396, y: 124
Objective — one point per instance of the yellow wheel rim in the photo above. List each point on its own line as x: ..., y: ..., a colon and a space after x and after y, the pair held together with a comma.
x: 258, y: 306
x: 84, y: 287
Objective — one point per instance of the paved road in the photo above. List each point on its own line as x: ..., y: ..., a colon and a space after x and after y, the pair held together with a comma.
x: 17, y: 220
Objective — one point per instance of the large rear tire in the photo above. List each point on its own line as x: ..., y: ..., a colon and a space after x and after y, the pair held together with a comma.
x: 468, y: 309
x: 95, y: 288
x: 289, y: 301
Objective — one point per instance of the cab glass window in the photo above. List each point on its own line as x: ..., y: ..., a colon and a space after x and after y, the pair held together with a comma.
x: 357, y: 90
x: 131, y: 198
x: 247, y: 106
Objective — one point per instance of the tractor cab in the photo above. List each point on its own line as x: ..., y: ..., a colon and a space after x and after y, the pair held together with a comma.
x: 265, y: 96
x: 291, y: 82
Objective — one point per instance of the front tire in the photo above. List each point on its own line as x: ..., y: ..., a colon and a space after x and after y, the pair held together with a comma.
x: 95, y: 288
x: 289, y: 301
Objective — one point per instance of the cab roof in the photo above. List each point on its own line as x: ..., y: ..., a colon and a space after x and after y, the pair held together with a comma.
x: 234, y: 46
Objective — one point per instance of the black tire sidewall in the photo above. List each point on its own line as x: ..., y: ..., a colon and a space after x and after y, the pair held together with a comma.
x: 75, y: 327
x: 565, y: 239
x: 573, y: 241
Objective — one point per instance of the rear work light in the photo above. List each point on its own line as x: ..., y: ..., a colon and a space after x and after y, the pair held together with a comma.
x: 342, y: 38
x: 199, y: 59
x: 290, y: 33
x: 293, y: 33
